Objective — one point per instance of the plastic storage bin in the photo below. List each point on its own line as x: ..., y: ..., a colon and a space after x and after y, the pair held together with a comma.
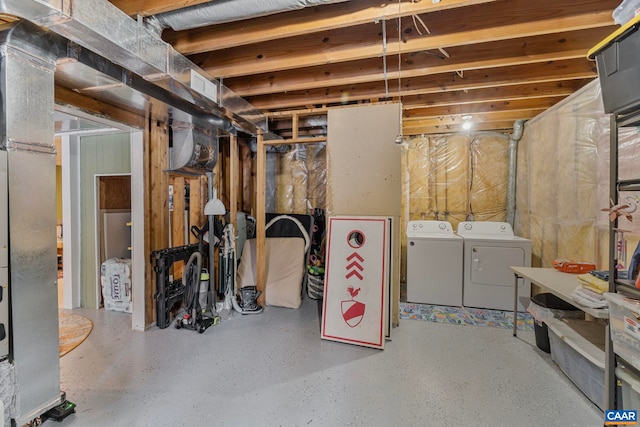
x: 630, y: 388
x: 577, y: 347
x: 626, y: 11
x: 618, y: 61
x: 544, y: 306
x: 624, y: 326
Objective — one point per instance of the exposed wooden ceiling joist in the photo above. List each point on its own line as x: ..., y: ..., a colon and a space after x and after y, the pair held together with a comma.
x: 503, y: 59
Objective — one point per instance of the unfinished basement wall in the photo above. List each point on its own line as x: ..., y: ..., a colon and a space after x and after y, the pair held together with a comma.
x: 446, y: 177
x: 454, y: 178
x: 301, y: 178
x: 563, y: 181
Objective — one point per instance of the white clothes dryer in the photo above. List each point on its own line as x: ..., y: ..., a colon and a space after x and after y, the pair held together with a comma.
x: 490, y: 248
x: 434, y: 263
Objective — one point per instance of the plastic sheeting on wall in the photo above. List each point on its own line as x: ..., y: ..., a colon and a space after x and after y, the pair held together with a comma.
x: 563, y: 180
x: 301, y: 179
x: 456, y: 177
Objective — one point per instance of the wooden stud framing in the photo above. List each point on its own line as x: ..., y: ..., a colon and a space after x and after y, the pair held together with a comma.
x: 156, y: 185
x: 234, y: 180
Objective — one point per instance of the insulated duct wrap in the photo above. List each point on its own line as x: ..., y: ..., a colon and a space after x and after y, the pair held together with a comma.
x: 194, y: 147
x: 223, y: 11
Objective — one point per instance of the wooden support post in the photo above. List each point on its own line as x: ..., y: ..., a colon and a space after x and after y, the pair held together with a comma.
x: 177, y: 222
x: 233, y: 180
x: 261, y: 203
x: 294, y: 126
x: 156, y: 189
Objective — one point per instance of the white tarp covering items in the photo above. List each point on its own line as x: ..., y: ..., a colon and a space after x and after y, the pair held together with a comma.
x: 115, y: 277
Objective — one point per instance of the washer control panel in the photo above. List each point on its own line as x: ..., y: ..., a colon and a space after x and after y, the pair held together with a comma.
x: 418, y: 228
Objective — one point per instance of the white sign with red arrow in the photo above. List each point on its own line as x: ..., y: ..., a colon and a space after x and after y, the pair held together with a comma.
x: 356, y: 279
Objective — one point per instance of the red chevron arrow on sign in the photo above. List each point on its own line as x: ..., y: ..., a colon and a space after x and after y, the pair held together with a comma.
x: 355, y: 255
x: 354, y: 266
x: 354, y: 273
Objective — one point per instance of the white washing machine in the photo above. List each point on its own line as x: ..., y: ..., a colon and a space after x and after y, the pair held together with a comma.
x: 490, y: 248
x: 434, y: 263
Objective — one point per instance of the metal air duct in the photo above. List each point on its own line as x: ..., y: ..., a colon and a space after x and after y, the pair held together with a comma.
x: 194, y: 144
x: 105, y: 30
x: 220, y: 12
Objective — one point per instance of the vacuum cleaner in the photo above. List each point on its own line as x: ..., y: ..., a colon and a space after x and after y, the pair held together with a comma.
x: 196, y: 318
x: 244, y: 300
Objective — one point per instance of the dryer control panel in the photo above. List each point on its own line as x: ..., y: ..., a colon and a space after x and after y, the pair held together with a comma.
x: 485, y: 228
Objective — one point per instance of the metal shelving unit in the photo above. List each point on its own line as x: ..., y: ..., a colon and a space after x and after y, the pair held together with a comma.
x: 623, y: 286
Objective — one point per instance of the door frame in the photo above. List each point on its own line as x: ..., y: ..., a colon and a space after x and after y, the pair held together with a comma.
x: 71, y: 211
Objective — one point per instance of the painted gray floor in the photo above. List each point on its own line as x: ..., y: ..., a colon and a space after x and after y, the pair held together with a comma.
x: 274, y: 370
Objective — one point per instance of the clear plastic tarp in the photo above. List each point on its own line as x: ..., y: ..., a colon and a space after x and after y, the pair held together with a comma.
x: 562, y: 184
x: 301, y: 178
x: 562, y: 195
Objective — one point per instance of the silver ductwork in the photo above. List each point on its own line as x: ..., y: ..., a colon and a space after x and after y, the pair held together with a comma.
x: 105, y: 30
x: 193, y: 144
x: 223, y: 11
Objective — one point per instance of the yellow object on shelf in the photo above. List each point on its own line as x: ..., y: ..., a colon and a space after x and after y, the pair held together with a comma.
x: 612, y: 37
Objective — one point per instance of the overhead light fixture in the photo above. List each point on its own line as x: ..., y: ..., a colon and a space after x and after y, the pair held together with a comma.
x: 466, y: 122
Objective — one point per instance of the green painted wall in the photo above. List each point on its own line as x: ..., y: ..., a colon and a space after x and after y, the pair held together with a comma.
x: 59, y: 194
x: 104, y: 154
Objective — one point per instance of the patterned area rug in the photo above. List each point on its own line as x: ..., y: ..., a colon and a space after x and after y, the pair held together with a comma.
x: 74, y: 329
x: 464, y: 316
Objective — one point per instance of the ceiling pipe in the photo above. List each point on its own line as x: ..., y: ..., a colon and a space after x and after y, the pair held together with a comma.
x: 514, y: 138
x: 224, y: 11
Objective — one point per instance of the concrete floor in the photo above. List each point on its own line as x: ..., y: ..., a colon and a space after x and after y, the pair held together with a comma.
x: 274, y: 370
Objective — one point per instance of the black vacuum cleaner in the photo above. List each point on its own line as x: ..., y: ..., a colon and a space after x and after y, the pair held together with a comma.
x: 196, y: 318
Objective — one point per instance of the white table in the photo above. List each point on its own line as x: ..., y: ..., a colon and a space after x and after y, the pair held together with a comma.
x: 556, y: 282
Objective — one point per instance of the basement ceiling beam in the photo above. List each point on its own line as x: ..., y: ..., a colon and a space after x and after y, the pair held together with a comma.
x: 494, y: 94
x: 549, y: 47
x: 301, y: 22
x: 475, y: 79
x: 153, y: 7
x: 480, y: 121
x: 497, y: 126
x: 477, y: 118
x: 481, y: 108
x: 345, y: 46
x: 120, y: 114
